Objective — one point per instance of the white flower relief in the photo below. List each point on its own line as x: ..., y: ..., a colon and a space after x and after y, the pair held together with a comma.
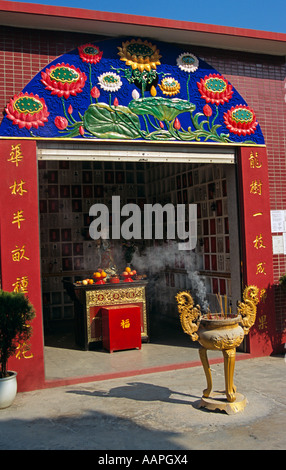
x: 187, y: 62
x: 109, y: 81
x: 135, y: 94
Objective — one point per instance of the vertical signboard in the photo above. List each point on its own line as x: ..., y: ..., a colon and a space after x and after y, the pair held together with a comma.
x: 257, y: 244
x: 20, y: 250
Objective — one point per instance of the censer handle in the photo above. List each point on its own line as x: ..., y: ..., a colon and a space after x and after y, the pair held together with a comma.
x: 247, y: 309
x: 189, y: 315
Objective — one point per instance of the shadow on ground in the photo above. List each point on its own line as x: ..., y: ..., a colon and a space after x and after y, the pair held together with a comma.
x: 140, y: 391
x: 91, y: 430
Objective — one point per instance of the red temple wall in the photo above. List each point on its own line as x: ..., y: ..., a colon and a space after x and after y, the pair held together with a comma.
x: 20, y: 250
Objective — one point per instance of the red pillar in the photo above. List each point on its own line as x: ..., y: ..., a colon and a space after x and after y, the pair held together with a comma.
x: 20, y: 249
x: 257, y: 258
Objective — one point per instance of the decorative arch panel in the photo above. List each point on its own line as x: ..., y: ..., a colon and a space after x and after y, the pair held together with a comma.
x: 131, y: 90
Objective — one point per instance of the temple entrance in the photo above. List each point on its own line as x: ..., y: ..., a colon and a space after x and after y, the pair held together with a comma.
x: 186, y: 148
x: 69, y: 186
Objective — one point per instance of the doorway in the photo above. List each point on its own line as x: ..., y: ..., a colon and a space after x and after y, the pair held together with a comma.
x: 69, y: 184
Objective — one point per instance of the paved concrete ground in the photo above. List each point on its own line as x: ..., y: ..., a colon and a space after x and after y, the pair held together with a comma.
x: 152, y: 412
x: 68, y: 363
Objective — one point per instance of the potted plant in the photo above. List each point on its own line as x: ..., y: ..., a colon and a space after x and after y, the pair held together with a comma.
x: 282, y: 283
x: 16, y: 312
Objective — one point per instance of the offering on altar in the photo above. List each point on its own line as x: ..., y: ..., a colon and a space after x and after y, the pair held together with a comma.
x: 128, y: 274
x: 85, y: 282
x: 114, y: 279
x: 99, y: 276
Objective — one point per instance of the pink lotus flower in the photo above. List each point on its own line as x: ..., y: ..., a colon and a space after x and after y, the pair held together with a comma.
x: 207, y: 110
x: 215, y: 89
x: 240, y: 120
x: 90, y: 53
x: 63, y: 80
x: 61, y: 122
x: 27, y: 110
x: 95, y: 93
x: 177, y: 124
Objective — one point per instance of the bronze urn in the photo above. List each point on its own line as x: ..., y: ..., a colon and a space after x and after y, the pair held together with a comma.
x: 222, y: 332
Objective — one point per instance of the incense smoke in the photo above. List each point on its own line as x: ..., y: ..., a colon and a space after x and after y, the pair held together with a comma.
x: 156, y: 259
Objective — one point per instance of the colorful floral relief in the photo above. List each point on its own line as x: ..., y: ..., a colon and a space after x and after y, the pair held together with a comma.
x: 139, y: 55
x: 170, y: 86
x: 240, y: 120
x: 176, y: 102
x: 187, y: 62
x: 63, y: 80
x: 110, y: 81
x: 27, y: 110
x: 90, y: 53
x: 215, y: 89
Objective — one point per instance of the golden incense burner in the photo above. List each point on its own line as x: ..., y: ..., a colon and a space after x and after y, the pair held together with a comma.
x: 219, y: 332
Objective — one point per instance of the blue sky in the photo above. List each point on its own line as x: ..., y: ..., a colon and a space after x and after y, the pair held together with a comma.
x: 253, y: 14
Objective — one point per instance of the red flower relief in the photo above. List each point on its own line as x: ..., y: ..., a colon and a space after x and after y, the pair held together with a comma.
x: 207, y: 110
x: 27, y: 110
x: 61, y: 122
x: 177, y: 124
x: 90, y: 53
x: 63, y: 80
x: 215, y: 89
x: 240, y: 120
x: 95, y: 93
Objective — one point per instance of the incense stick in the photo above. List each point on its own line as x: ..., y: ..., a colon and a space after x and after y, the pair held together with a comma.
x: 223, y: 310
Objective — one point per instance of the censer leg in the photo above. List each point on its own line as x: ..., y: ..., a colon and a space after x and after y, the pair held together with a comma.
x: 229, y: 362
x: 207, y: 370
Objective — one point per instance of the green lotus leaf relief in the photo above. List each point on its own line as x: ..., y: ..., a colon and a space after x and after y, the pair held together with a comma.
x: 161, y: 108
x: 111, y: 122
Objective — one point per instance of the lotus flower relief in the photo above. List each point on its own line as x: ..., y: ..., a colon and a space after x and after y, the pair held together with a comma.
x: 90, y: 53
x: 170, y: 86
x: 110, y: 81
x: 240, y: 120
x: 119, y: 119
x: 187, y: 62
x: 61, y: 122
x: 63, y: 80
x: 215, y: 89
x: 27, y: 110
